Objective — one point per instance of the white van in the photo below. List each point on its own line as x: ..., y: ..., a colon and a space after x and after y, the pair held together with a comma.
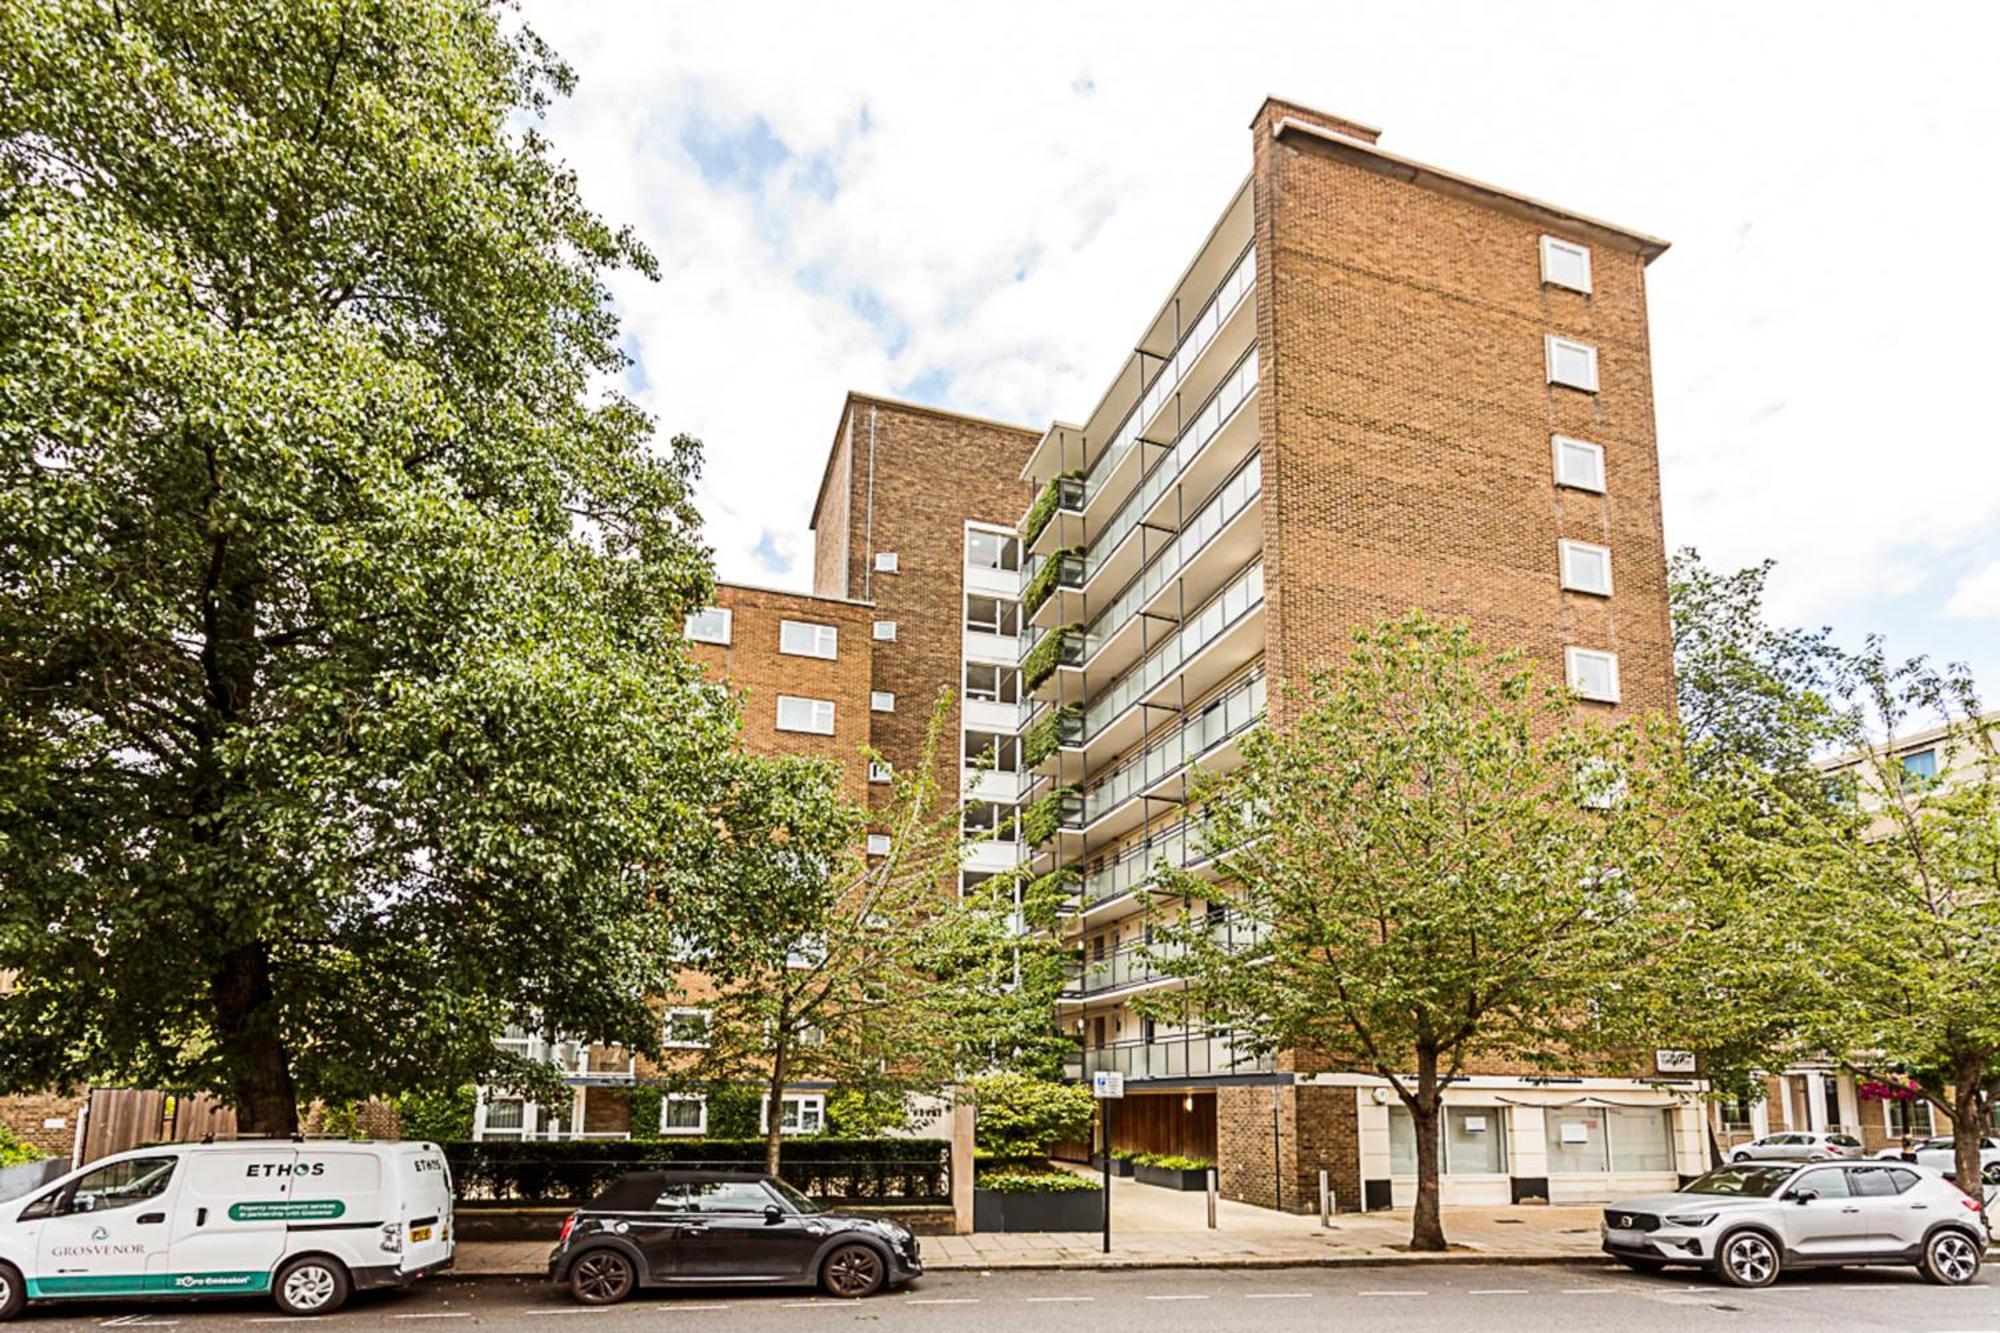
x: 306, y: 1222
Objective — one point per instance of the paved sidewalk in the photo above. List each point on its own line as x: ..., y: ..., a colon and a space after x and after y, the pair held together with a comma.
x: 1158, y: 1228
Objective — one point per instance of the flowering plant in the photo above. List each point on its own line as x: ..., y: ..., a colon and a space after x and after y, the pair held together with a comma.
x: 1879, y: 1090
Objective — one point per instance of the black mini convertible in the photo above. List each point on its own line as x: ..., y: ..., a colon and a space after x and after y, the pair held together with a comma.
x: 685, y: 1228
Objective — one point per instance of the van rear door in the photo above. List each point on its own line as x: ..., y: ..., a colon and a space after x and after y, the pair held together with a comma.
x: 229, y: 1218
x: 427, y: 1219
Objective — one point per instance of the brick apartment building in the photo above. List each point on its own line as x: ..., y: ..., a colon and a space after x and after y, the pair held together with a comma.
x: 1376, y: 385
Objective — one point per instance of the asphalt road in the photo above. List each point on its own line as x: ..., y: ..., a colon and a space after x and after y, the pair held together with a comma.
x: 1462, y: 1296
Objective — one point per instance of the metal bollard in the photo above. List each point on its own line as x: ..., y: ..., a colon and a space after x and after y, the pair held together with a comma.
x: 1211, y: 1198
x: 1325, y: 1199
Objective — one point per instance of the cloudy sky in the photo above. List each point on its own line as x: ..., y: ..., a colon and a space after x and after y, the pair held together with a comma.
x: 979, y: 207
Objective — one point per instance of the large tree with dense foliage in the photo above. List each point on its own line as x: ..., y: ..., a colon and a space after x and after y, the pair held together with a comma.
x: 343, y: 714
x: 1439, y: 859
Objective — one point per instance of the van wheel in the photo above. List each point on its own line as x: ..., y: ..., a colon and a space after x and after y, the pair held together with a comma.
x: 601, y: 1277
x: 1951, y: 1259
x: 13, y: 1292
x: 853, y: 1271
x: 311, y: 1285
x: 1748, y: 1259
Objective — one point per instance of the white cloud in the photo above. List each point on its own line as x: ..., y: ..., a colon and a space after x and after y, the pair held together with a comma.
x: 1819, y: 334
x: 1977, y: 596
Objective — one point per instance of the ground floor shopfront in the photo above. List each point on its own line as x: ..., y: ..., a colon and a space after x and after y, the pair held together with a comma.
x: 1504, y: 1139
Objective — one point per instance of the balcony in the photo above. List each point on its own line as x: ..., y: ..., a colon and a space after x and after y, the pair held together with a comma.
x: 1190, y: 1055
x: 998, y: 649
x: 992, y: 715
x: 990, y: 856
x: 1138, y: 967
x: 1003, y: 786
x: 1110, y: 806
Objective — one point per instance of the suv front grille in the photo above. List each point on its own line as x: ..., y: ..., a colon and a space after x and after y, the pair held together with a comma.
x: 1624, y: 1221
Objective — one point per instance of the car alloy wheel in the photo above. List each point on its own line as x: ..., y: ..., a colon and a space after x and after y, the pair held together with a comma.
x: 12, y: 1296
x: 602, y: 1277
x: 1749, y: 1260
x: 1741, y: 1157
x: 1951, y: 1259
x: 853, y: 1271
x: 1990, y: 1173
x: 311, y: 1286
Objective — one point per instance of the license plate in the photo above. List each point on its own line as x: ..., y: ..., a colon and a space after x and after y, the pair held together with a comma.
x: 1624, y: 1236
x: 419, y: 1235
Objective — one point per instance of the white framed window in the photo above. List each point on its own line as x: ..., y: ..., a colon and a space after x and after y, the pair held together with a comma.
x: 880, y: 771
x: 879, y: 844
x: 1571, y: 363
x: 885, y: 631
x: 986, y: 549
x: 1565, y: 264
x: 887, y: 562
x: 1592, y: 674
x: 506, y: 1117
x: 685, y: 1030
x: 711, y: 624
x: 992, y: 684
x: 681, y: 1113
x: 1579, y: 464
x: 810, y: 715
x: 992, y: 615
x: 803, y: 638
x: 881, y: 701
x: 800, y: 1113
x: 1586, y: 567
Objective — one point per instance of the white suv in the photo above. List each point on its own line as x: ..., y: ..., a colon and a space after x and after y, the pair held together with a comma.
x: 1748, y: 1222
x: 1940, y: 1155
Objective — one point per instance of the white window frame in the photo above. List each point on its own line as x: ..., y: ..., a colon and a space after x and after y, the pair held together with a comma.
x: 1001, y: 535
x: 824, y: 640
x: 888, y: 562
x: 1559, y: 443
x: 1552, y: 343
x: 885, y: 631
x: 881, y: 701
x: 1572, y: 655
x: 1567, y: 549
x: 1554, y: 246
x: 816, y: 708
x: 880, y: 844
x: 728, y: 625
x: 701, y: 1123
x: 667, y: 1039
x: 880, y: 771
x: 816, y: 1100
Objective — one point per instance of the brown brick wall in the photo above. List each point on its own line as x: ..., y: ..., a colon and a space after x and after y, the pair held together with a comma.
x: 1316, y: 1127
x: 1400, y: 334
x: 25, y: 1113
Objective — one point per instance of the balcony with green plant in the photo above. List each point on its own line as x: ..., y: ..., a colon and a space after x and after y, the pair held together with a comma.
x: 1064, y: 491
x: 1061, y: 569
x: 1050, y: 731
x: 1063, y: 644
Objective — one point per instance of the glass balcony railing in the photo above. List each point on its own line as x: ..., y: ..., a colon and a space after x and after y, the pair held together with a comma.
x: 1235, y: 711
x: 1221, y: 405
x: 1229, y: 293
x: 1244, y: 594
x: 1182, y: 845
x: 1235, y: 495
x: 1189, y: 1055
x: 1135, y: 965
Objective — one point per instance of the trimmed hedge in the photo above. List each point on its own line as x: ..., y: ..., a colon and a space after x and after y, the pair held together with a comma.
x: 1036, y: 1182
x: 906, y: 1171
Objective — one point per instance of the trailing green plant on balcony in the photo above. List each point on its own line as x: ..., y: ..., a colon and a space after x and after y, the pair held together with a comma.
x: 1045, y: 737
x: 1044, y: 582
x: 1043, y: 658
x: 1043, y: 897
x: 1044, y: 507
x: 1040, y: 821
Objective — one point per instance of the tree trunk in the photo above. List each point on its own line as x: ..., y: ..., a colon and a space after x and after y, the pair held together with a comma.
x: 1966, y: 1128
x: 774, y: 1107
x: 246, y: 1027
x: 1426, y: 1224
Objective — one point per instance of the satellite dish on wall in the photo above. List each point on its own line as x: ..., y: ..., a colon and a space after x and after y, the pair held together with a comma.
x: 1381, y: 1096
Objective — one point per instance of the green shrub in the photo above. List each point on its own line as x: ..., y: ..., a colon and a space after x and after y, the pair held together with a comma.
x: 908, y: 1171
x: 734, y: 1111
x: 858, y: 1113
x: 1030, y: 1182
x: 1167, y: 1161
x: 15, y: 1151
x: 1026, y: 1117
x: 645, y: 1100
x: 440, y: 1117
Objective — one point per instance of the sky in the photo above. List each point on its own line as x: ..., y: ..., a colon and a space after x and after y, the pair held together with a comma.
x: 978, y: 207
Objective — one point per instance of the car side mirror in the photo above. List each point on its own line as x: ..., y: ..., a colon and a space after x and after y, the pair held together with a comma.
x: 773, y: 1214
x: 1804, y: 1195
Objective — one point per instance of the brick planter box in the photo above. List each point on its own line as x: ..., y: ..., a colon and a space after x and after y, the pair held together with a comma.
x: 1037, y: 1210
x: 1169, y: 1178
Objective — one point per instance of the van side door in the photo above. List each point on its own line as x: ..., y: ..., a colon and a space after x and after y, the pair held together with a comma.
x: 105, y: 1233
x: 230, y: 1216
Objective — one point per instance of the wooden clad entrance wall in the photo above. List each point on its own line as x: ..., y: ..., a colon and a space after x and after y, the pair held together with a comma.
x: 1162, y: 1123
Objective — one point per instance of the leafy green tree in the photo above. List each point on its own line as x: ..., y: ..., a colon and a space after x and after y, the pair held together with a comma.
x: 343, y: 711
x: 1439, y: 859
x: 830, y: 963
x: 14, y: 1151
x: 1022, y: 1116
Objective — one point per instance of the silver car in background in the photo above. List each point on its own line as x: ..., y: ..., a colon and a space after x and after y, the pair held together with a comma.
x: 1938, y: 1153
x: 1748, y: 1222
x: 1799, y: 1146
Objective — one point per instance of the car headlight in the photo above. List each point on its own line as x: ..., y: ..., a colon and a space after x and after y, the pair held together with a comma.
x: 392, y: 1237
x: 1690, y: 1219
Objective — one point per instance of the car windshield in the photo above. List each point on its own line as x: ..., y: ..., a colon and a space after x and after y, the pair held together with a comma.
x: 1756, y: 1182
x: 793, y: 1197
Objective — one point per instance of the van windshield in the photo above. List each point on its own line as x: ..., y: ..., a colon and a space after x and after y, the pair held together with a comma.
x: 1754, y: 1182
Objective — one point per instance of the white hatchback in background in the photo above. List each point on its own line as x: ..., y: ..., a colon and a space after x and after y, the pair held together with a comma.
x: 1799, y: 1146
x: 1938, y: 1154
x: 304, y: 1222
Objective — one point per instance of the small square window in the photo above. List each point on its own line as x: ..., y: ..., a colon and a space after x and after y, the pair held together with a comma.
x: 1579, y: 464
x: 878, y: 771
x: 1592, y: 674
x: 1573, y: 364
x: 1919, y: 767
x: 992, y: 550
x: 1585, y: 567
x: 686, y: 1030
x: 881, y: 701
x: 709, y: 625
x: 886, y: 562
x: 797, y: 1115
x: 878, y: 844
x: 682, y: 1114
x: 885, y: 631
x: 803, y: 638
x: 809, y: 715
x: 1565, y: 264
